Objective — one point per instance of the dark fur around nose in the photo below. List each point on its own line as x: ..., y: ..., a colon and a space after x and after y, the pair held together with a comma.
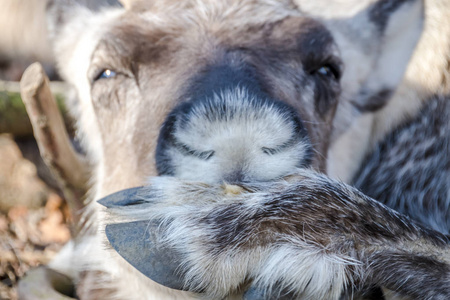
x: 206, y: 99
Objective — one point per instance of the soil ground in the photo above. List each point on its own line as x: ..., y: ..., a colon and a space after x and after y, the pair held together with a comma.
x: 33, y: 218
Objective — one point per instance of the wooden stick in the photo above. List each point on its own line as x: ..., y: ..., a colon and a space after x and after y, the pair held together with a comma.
x: 68, y: 167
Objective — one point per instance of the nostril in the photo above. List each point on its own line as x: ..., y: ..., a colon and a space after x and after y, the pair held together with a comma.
x: 205, y: 155
x: 269, y: 151
x: 295, y: 139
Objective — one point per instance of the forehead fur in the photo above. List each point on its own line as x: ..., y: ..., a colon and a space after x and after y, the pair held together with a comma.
x: 170, y: 19
x: 205, y: 33
x: 249, y: 11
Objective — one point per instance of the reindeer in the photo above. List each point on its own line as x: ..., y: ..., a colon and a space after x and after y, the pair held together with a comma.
x: 422, y: 122
x: 237, y: 103
x: 426, y: 76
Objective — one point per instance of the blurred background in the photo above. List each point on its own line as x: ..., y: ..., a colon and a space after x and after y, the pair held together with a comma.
x: 33, y: 215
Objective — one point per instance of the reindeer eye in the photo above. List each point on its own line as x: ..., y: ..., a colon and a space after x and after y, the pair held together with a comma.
x: 107, y: 73
x: 329, y: 71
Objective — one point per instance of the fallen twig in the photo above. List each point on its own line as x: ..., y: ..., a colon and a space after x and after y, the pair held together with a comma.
x: 68, y: 167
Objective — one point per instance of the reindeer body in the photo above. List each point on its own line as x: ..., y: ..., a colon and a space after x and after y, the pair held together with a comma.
x: 411, y: 175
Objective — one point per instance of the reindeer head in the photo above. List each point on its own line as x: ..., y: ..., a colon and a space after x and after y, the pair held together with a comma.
x: 235, y: 90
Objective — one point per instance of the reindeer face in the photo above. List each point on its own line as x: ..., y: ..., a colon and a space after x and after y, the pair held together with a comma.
x: 249, y: 102
x: 247, y: 113
x: 239, y: 90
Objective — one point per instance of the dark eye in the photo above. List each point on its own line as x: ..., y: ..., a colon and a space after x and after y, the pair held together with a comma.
x: 107, y: 73
x: 329, y: 71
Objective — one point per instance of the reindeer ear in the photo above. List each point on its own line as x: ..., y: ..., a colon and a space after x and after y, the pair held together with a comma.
x: 67, y: 21
x: 376, y: 40
x: 73, y: 26
x: 62, y: 12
